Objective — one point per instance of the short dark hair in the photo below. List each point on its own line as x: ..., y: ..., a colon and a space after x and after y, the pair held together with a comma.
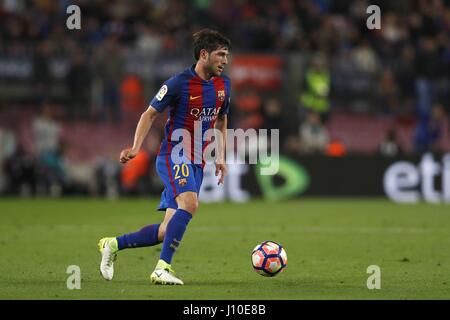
x: 209, y: 40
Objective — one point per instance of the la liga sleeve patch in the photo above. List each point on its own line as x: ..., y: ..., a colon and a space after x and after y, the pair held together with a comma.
x: 161, y: 93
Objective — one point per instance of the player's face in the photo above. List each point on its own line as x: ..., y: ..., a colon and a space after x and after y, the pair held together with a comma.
x: 217, y: 60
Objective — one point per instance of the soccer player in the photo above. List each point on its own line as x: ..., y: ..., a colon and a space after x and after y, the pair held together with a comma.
x: 198, y: 97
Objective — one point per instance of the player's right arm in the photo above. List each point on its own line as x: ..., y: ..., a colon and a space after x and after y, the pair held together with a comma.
x: 143, y: 126
x: 167, y: 95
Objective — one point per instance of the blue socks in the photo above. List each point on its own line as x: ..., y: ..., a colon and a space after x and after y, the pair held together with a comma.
x: 147, y: 236
x: 174, y: 233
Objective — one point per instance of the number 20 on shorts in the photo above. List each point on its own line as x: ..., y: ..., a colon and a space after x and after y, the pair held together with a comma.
x: 184, y: 170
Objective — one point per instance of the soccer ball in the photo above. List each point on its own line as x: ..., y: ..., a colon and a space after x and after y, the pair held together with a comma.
x: 269, y: 258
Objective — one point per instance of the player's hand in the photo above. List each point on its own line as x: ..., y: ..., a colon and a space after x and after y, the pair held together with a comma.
x: 126, y: 155
x: 222, y: 169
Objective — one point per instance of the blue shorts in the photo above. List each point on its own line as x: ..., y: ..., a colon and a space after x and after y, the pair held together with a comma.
x: 177, y: 178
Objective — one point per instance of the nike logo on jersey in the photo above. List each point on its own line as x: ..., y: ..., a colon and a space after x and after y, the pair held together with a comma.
x: 194, y: 97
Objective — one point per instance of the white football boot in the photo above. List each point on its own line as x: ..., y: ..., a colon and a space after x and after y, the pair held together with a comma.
x: 108, y: 249
x: 164, y: 274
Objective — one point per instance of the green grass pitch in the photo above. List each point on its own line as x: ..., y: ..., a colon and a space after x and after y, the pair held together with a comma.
x: 329, y: 243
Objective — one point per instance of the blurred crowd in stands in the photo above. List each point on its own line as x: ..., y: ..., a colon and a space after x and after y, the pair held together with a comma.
x: 55, y: 78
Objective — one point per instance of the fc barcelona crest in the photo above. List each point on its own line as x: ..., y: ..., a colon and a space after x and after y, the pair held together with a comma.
x: 221, y: 95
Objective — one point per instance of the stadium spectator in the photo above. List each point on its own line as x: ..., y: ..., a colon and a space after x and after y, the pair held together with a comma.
x: 388, y: 93
x: 50, y: 173
x: 41, y: 70
x: 20, y: 172
x: 313, y: 134
x: 428, y: 70
x: 79, y: 84
x: 148, y: 41
x: 272, y: 116
x: 132, y: 93
x: 109, y: 67
x: 8, y: 145
x: 430, y: 130
x: 405, y: 71
x: 389, y: 146
x: 8, y: 141
x: 316, y: 88
x: 107, y: 177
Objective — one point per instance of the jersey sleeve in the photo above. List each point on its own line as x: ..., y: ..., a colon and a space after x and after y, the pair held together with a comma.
x: 167, y: 95
x: 226, y: 105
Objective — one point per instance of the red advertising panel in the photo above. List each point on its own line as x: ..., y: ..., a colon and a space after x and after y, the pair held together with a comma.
x: 257, y: 71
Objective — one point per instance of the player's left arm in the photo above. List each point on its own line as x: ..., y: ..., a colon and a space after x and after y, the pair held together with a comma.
x: 221, y: 167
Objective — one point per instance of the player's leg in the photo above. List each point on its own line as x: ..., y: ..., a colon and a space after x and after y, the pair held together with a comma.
x: 145, y: 237
x: 181, y: 193
x: 187, y: 206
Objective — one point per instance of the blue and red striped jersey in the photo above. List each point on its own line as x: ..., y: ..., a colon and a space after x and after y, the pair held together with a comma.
x: 192, y: 102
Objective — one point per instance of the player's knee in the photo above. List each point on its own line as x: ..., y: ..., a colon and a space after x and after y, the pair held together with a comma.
x: 190, y: 206
x: 188, y: 202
